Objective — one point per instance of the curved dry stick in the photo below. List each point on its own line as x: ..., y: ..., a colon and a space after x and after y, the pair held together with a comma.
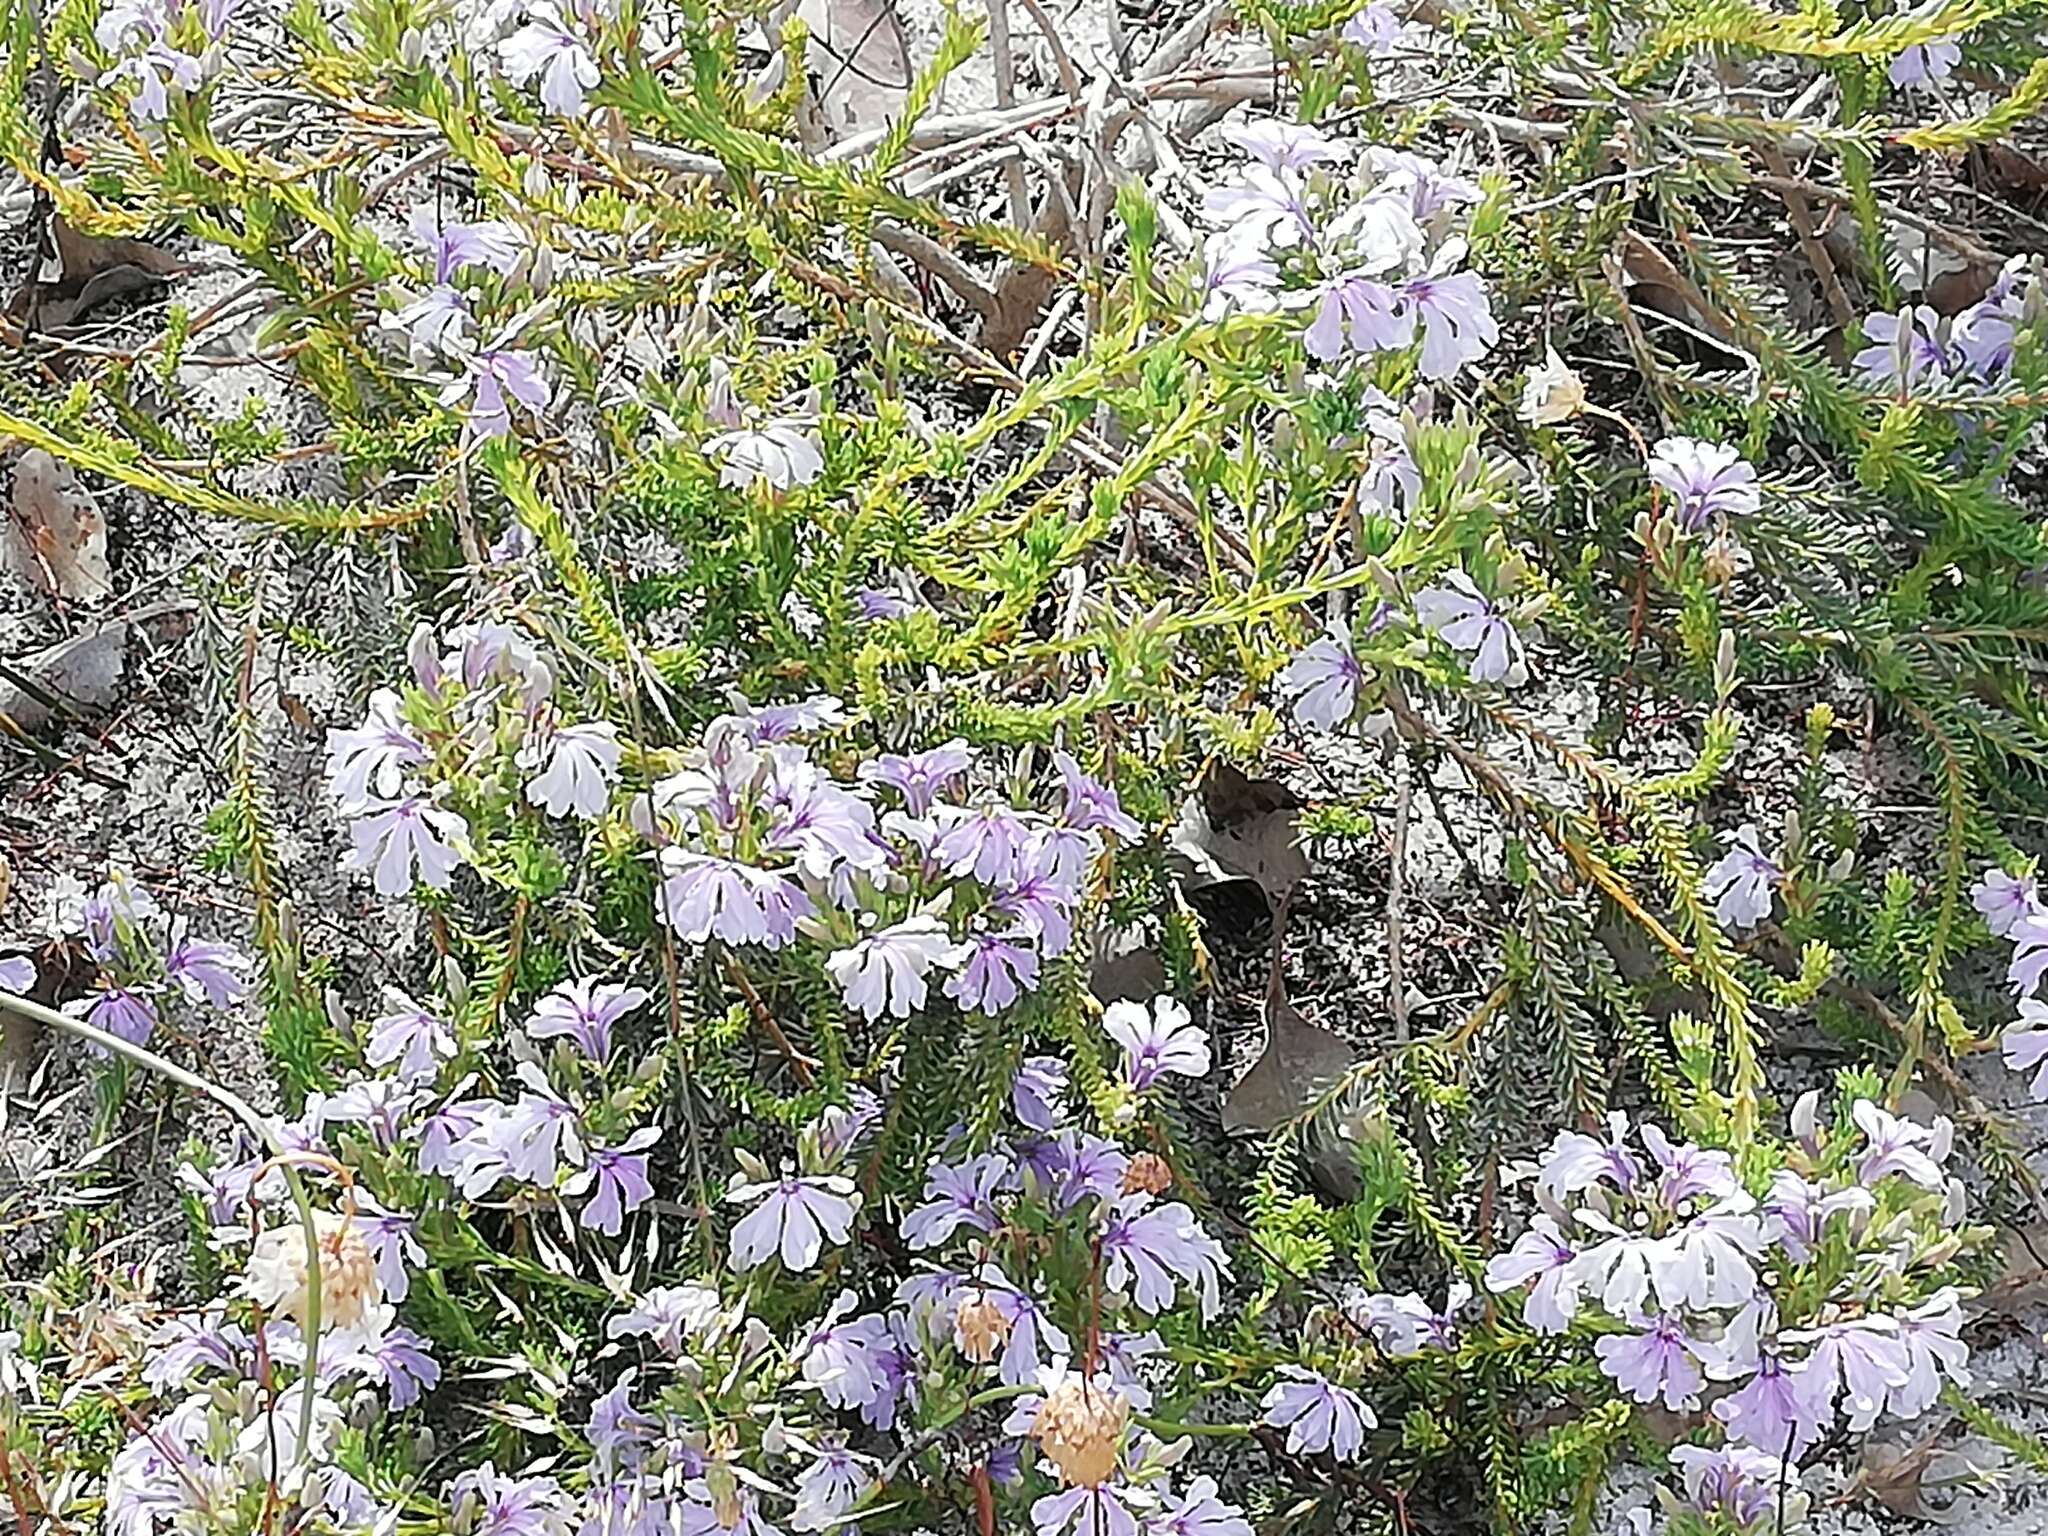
x: 236, y: 1105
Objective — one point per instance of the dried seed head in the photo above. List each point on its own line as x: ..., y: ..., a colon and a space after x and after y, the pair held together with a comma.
x: 1080, y: 1428
x: 1148, y: 1172
x: 979, y: 1327
x: 276, y: 1277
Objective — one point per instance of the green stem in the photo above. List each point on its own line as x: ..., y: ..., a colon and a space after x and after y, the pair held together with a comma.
x: 237, y: 1106
x: 1168, y: 1428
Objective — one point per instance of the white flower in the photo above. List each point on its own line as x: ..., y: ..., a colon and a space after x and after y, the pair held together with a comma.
x: 1740, y: 884
x: 1553, y: 393
x: 1473, y: 625
x: 1163, y: 1040
x: 393, y: 840
x: 583, y: 763
x: 781, y: 455
x: 794, y: 1219
x: 885, y: 972
x: 369, y: 762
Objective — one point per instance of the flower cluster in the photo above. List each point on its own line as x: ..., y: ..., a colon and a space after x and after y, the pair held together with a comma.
x: 1363, y: 238
x: 899, y: 879
x: 147, y: 959
x: 1916, y: 349
x: 1824, y: 1304
x: 151, y: 41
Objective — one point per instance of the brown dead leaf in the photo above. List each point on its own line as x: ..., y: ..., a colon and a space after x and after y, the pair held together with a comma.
x: 1299, y: 1064
x: 860, y: 58
x: 2014, y: 170
x: 56, y: 536
x: 1917, y: 1482
x: 1126, y: 968
x: 80, y: 271
x: 1239, y: 828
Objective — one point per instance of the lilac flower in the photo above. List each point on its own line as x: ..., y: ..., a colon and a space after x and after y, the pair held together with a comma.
x: 1092, y: 805
x: 368, y: 764
x: 185, y: 1346
x: 619, y: 1177
x: 1032, y: 1334
x: 1985, y: 339
x: 1899, y: 1146
x: 1689, y: 1172
x: 1772, y: 1411
x: 1796, y: 1214
x: 379, y: 1104
x: 540, y: 1132
x: 957, y: 1195
x: 704, y: 1513
x: 1324, y: 679
x: 2026, y: 1048
x: 1920, y: 66
x: 1711, y: 1261
x: 1863, y: 1357
x: 401, y: 1361
x: 1238, y: 275
x: 1284, y: 146
x: 827, y: 1489
x: 821, y: 825
x: 1930, y: 1334
x: 507, y: 1506
x: 2005, y: 901
x: 409, y: 1035
x: 220, y: 1189
x: 445, y: 1134
x: 585, y: 1011
x: 389, y: 1235
x: 1199, y: 1512
x: 1576, y: 1161
x: 2029, y: 954
x: 840, y: 1358
x: 885, y: 972
x: 1357, y: 312
x: 877, y: 603
x: 920, y: 776
x: 1540, y: 1254
x: 839, y: 1127
x: 1161, y: 1041
x: 1740, y: 884
x: 1706, y: 480
x: 155, y: 70
x: 619, y: 1432
x: 1317, y: 1414
x: 1655, y: 1363
x: 668, y: 1315
x: 491, y: 377
x: 121, y: 1013
x: 794, y: 1218
x: 583, y: 764
x: 1904, y: 350
x: 780, y: 722
x: 1744, y: 1487
x: 406, y: 840
x: 899, y: 1366
x: 703, y: 895
x: 1428, y: 187
x: 988, y: 843
x: 1457, y: 321
x: 1001, y: 968
x: 1155, y: 1245
x: 434, y: 323
x: 205, y: 972
x: 1262, y: 207
x: 17, y: 973
x: 1043, y: 896
x: 545, y: 46
x: 1390, y: 480
x: 1037, y: 1097
x: 1097, y: 1510
x: 490, y: 244
x: 1076, y: 1165
x: 1473, y: 625
x: 1376, y: 28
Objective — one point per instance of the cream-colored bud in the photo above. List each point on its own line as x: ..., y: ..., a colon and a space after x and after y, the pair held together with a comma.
x: 276, y: 1277
x: 979, y: 1327
x: 1553, y: 393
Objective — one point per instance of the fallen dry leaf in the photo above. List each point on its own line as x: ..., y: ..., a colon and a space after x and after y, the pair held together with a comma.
x: 1239, y: 828
x: 79, y: 271
x: 1299, y: 1064
x: 56, y: 536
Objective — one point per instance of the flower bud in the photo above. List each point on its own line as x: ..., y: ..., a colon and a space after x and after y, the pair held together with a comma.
x: 979, y: 1327
x: 1554, y: 394
x: 412, y: 48
x: 1806, y: 1121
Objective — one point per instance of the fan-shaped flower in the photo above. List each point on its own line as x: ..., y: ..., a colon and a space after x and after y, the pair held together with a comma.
x: 1740, y: 884
x: 1324, y: 679
x: 406, y: 840
x: 1317, y: 1414
x: 793, y: 1217
x: 582, y: 765
x: 885, y: 972
x: 1473, y: 625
